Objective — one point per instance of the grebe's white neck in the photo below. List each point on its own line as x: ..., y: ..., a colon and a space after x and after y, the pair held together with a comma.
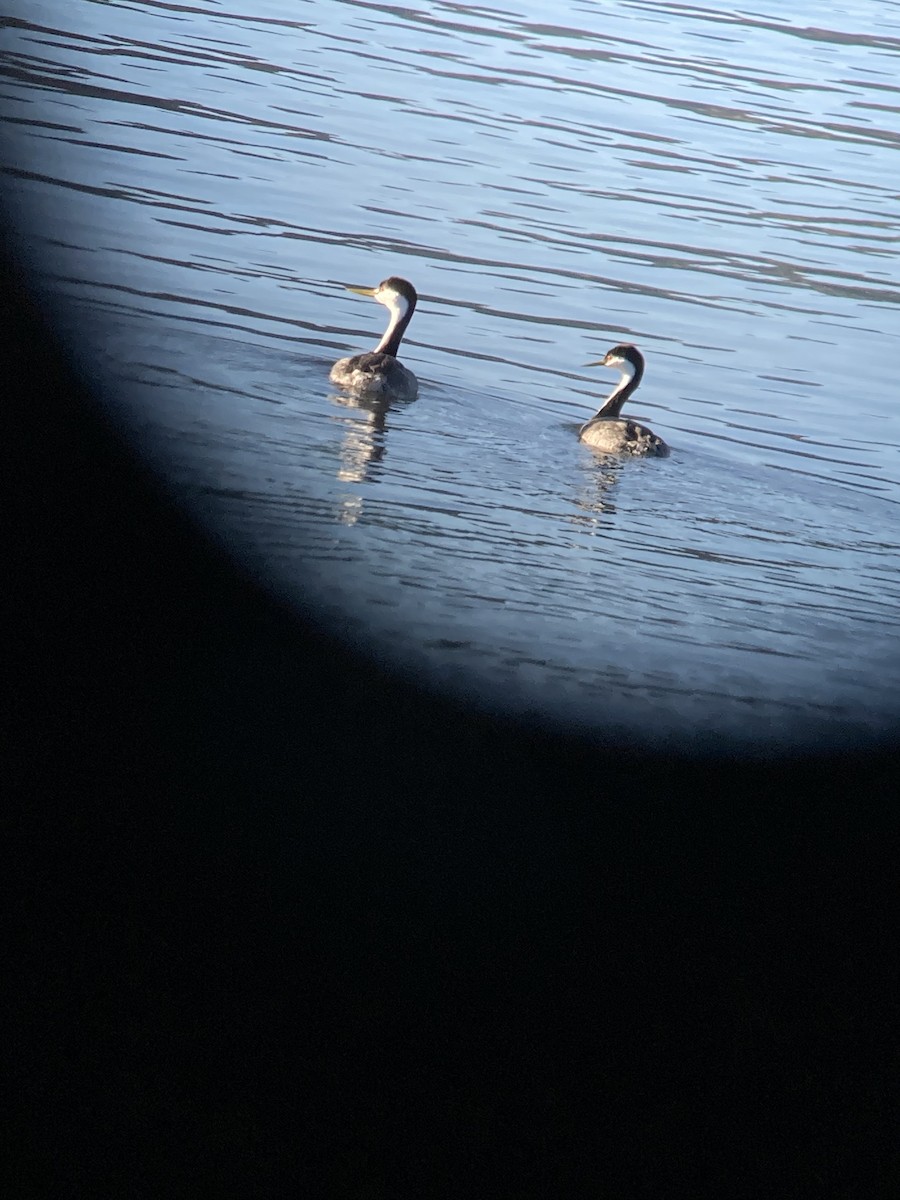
x: 627, y: 374
x: 398, y: 307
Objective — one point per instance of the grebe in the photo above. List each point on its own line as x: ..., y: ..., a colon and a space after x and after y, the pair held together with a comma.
x: 377, y: 373
x: 605, y: 430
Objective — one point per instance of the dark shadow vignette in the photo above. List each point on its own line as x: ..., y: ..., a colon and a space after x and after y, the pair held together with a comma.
x: 279, y: 916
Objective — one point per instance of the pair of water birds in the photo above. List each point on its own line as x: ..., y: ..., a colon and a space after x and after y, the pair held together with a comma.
x: 378, y: 374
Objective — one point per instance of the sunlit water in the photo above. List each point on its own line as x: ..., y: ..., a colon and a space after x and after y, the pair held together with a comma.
x: 192, y: 187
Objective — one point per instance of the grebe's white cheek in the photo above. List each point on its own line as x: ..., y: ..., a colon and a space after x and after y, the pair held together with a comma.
x: 397, y: 304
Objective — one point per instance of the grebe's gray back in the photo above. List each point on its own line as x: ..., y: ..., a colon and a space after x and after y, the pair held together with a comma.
x: 378, y: 374
x: 606, y: 430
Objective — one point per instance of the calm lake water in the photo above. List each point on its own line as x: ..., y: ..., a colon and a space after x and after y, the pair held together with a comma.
x: 193, y: 185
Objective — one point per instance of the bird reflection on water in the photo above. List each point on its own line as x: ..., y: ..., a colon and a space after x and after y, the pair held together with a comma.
x: 594, y: 496
x: 363, y: 445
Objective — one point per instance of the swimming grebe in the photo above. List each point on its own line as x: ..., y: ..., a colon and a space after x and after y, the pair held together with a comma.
x: 605, y: 430
x: 377, y: 373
